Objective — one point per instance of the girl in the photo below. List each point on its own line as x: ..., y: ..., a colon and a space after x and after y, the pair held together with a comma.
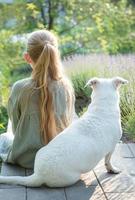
x: 40, y: 106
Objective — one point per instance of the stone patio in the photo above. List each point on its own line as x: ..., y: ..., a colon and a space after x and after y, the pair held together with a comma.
x: 95, y: 185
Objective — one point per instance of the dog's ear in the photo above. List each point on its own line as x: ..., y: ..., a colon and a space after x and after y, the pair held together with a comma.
x: 117, y: 81
x: 92, y: 82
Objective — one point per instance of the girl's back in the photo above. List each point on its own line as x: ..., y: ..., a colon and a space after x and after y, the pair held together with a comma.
x: 24, y: 111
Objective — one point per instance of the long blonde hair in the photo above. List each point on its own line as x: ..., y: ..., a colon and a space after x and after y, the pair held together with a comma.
x: 42, y: 47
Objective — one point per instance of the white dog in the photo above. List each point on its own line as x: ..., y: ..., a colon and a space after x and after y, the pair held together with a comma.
x: 83, y: 144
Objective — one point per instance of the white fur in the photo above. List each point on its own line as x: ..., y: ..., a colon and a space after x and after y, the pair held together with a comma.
x: 80, y: 147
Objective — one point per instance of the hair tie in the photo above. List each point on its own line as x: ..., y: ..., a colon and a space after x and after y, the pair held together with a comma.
x: 47, y: 42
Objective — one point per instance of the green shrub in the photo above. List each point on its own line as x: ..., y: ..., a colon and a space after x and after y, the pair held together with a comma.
x: 3, y: 119
x: 82, y: 94
x: 130, y: 127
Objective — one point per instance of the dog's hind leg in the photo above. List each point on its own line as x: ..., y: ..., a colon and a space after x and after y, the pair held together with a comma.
x: 109, y: 167
x: 32, y: 181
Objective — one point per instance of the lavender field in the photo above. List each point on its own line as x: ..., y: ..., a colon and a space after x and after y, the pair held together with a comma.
x: 102, y: 64
x: 82, y: 67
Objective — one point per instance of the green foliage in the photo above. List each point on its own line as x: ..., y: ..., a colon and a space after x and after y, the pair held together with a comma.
x: 95, y: 26
x: 82, y: 94
x: 130, y: 127
x: 128, y: 107
x: 115, y: 25
x: 10, y: 58
x: 101, y: 26
x: 3, y: 119
x: 82, y: 112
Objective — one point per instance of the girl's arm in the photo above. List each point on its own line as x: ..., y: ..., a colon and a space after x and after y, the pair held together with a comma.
x: 13, y: 108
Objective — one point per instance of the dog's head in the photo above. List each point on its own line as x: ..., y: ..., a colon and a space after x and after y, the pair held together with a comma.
x: 105, y: 87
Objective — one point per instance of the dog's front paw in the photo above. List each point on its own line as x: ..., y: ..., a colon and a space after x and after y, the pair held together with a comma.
x: 113, y: 170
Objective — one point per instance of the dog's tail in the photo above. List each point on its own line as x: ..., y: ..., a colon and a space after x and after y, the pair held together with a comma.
x: 31, y: 181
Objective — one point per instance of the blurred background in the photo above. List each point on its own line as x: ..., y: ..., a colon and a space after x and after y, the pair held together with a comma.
x: 96, y: 38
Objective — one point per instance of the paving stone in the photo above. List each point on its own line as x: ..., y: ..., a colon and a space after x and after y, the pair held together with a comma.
x: 122, y: 150
x: 120, y: 196
x: 132, y: 148
x: 122, y: 158
x: 89, y: 178
x: 122, y: 182
x: 114, y: 187
x: 119, y: 183
x: 11, y: 170
x: 126, y: 165
x: 13, y: 194
x: 80, y: 192
x: 45, y: 193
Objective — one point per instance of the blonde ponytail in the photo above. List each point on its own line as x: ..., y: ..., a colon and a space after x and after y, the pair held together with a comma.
x: 43, y: 50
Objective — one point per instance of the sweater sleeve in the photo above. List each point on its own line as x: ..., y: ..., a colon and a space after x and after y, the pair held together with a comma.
x: 13, y: 107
